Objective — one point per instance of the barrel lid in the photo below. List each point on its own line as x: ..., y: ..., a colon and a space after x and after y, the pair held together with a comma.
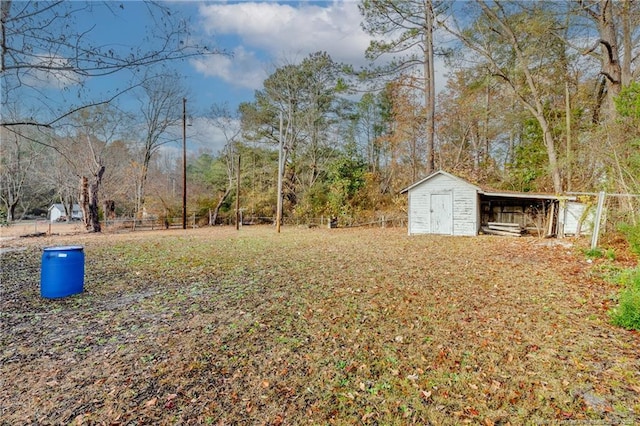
x: 63, y: 248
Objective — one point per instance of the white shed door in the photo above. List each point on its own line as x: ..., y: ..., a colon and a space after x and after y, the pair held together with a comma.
x: 442, y: 213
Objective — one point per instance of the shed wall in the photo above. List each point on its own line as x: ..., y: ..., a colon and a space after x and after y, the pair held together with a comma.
x: 573, y: 212
x: 464, y: 206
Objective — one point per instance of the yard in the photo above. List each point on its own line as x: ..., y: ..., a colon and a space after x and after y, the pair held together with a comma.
x: 315, y: 326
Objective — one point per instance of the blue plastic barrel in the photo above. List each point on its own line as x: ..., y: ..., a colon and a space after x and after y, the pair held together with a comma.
x: 62, y: 272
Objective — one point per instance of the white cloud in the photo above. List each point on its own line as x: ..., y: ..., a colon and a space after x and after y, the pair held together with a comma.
x: 50, y: 71
x: 281, y: 30
x: 242, y: 70
x: 269, y: 34
x: 202, y: 136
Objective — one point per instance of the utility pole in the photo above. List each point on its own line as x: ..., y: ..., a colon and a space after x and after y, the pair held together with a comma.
x: 238, y: 195
x: 567, y: 106
x: 184, y: 163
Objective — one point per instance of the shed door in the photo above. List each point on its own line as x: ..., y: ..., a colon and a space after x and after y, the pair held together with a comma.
x: 442, y: 213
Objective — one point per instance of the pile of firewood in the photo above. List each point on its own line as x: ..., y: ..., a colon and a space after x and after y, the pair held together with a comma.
x: 506, y: 229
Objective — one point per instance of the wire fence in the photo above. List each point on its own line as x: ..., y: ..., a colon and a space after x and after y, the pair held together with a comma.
x: 43, y: 226
x: 193, y: 221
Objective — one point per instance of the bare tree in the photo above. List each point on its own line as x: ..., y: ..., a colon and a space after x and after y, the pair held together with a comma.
x: 229, y: 125
x: 85, y: 148
x: 48, y: 44
x: 160, y: 107
x: 20, y: 158
x: 521, y: 55
x: 405, y: 30
x: 616, y: 45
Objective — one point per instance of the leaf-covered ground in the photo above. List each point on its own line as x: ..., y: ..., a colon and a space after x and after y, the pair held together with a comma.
x: 315, y: 326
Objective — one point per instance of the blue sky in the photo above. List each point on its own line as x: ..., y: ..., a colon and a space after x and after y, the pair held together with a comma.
x: 260, y: 35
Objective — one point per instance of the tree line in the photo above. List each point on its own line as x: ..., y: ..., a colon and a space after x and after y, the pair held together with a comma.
x: 540, y: 96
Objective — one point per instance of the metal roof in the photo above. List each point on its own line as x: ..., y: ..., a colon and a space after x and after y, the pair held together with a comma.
x: 492, y: 193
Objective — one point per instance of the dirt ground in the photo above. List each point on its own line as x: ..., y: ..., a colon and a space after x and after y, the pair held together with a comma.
x: 314, y: 326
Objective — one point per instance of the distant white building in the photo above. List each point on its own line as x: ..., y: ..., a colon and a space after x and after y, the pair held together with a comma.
x: 57, y: 213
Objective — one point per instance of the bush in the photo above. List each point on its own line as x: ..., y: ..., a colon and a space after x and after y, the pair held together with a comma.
x: 594, y: 253
x: 627, y: 314
x: 632, y: 234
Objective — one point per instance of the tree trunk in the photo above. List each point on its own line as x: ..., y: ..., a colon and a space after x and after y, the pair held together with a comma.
x: 84, y: 200
x: 141, y: 184
x: 94, y: 187
x: 11, y: 211
x: 430, y: 92
x: 616, y: 72
x: 224, y: 196
x: 549, y: 142
x: 68, y: 209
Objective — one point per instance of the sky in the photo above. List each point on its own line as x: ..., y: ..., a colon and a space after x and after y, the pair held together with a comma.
x: 258, y: 35
x: 262, y: 36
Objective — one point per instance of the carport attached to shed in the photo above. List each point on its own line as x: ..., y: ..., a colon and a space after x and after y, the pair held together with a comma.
x: 535, y: 213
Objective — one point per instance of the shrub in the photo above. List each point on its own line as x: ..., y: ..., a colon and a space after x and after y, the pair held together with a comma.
x: 632, y: 234
x: 594, y: 253
x: 627, y: 314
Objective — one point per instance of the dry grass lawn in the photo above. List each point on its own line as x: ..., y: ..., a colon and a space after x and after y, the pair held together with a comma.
x: 315, y: 326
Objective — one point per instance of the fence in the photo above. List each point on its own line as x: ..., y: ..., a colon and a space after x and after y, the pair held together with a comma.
x: 130, y: 224
x: 45, y: 227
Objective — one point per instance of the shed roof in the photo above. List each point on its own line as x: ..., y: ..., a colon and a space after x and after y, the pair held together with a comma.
x: 59, y: 206
x: 525, y: 195
x: 491, y: 192
x: 440, y: 172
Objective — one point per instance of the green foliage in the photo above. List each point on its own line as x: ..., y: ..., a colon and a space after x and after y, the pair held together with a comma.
x: 632, y: 234
x: 530, y: 159
x: 598, y: 253
x: 345, y: 178
x: 627, y: 313
x: 594, y: 253
x: 628, y: 102
x: 312, y: 203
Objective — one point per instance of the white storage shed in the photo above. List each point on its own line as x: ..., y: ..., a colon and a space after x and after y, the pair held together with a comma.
x: 443, y: 204
x: 448, y: 205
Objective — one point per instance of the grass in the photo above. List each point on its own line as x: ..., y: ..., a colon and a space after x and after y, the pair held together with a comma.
x: 315, y: 326
x: 627, y: 313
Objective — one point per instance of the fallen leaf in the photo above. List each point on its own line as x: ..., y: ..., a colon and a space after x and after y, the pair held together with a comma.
x: 151, y: 402
x: 367, y: 416
x: 425, y: 394
x: 471, y: 411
